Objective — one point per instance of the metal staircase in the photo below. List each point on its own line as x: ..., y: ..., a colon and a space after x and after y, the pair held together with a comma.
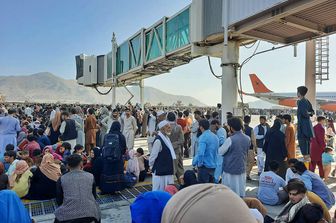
x: 322, y: 59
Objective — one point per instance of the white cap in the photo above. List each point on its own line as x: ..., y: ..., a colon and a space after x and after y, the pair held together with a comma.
x: 160, y: 113
x: 163, y: 124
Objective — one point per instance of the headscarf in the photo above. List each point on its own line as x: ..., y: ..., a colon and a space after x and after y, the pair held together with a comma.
x: 56, y: 122
x: 189, y: 179
x: 53, y: 153
x: 171, y: 189
x: 115, y: 127
x: 21, y: 168
x: 2, y: 168
x: 276, y: 125
x: 288, y: 212
x: 22, y: 136
x: 133, y: 164
x: 168, y: 143
x: 148, y: 207
x: 211, y: 203
x: 12, y: 209
x: 49, y: 168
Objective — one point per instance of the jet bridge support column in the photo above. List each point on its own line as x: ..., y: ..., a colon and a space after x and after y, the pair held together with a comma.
x: 114, y: 71
x: 114, y: 104
x: 142, y: 93
x: 230, y: 61
x: 310, y: 78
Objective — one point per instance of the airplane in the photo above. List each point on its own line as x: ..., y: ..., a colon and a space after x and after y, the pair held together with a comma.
x: 324, y: 100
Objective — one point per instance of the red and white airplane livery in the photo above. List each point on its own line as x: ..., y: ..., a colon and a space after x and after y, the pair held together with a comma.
x: 324, y: 100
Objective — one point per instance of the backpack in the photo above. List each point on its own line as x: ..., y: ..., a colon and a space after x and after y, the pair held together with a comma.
x: 111, y: 149
x: 112, y: 178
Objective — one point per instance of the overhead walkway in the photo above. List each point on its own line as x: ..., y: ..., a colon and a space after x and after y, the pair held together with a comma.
x: 198, y: 30
x: 155, y: 50
x: 214, y: 28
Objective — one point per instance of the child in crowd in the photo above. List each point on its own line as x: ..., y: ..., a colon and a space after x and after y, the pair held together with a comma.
x: 64, y: 150
x: 9, y: 147
x: 142, y: 160
x: 90, y: 158
x: 327, y: 159
x: 24, y: 155
x: 37, y: 159
x: 133, y: 164
x: 79, y: 149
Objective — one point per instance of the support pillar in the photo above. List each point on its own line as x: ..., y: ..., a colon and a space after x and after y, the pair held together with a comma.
x: 114, y: 71
x: 229, y: 78
x: 114, y: 103
x: 142, y: 94
x: 310, y: 78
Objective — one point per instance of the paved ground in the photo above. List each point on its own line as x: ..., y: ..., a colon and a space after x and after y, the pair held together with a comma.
x: 120, y: 212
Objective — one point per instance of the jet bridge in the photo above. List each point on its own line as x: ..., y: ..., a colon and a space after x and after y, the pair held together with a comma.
x: 215, y: 28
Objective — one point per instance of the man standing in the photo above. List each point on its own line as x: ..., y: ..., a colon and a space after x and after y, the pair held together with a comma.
x: 304, y: 126
x: 177, y: 139
x: 194, y: 130
x: 162, y: 158
x: 90, y: 131
x: 79, y: 126
x: 290, y: 137
x: 260, y: 133
x: 221, y: 134
x: 68, y: 130
x: 235, y: 150
x: 187, y: 140
x: 9, y: 126
x: 206, y: 156
x: 317, y: 146
x: 151, y: 129
x: 130, y: 128
x: 252, y: 150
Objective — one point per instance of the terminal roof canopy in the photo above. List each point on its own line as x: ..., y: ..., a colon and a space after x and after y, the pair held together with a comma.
x: 287, y: 22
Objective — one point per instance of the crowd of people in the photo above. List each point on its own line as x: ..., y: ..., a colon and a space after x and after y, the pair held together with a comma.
x: 66, y: 152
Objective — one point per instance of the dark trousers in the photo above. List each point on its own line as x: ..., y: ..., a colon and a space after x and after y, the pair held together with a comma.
x: 206, y: 175
x: 312, y: 167
x: 186, y: 144
x: 142, y: 176
x: 304, y: 145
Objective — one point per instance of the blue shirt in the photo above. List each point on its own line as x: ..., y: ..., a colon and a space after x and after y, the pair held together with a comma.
x: 221, y: 134
x: 9, y: 125
x: 327, y: 159
x: 43, y: 141
x: 269, y: 185
x: 206, y: 155
x: 315, y: 184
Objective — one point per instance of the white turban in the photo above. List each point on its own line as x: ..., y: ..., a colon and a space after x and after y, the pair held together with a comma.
x: 162, y: 124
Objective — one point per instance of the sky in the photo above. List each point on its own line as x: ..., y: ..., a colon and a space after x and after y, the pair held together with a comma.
x: 45, y: 35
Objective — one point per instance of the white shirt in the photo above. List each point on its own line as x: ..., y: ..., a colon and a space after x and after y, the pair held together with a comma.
x: 291, y: 175
x: 151, y: 123
x: 28, y: 111
x: 256, y: 131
